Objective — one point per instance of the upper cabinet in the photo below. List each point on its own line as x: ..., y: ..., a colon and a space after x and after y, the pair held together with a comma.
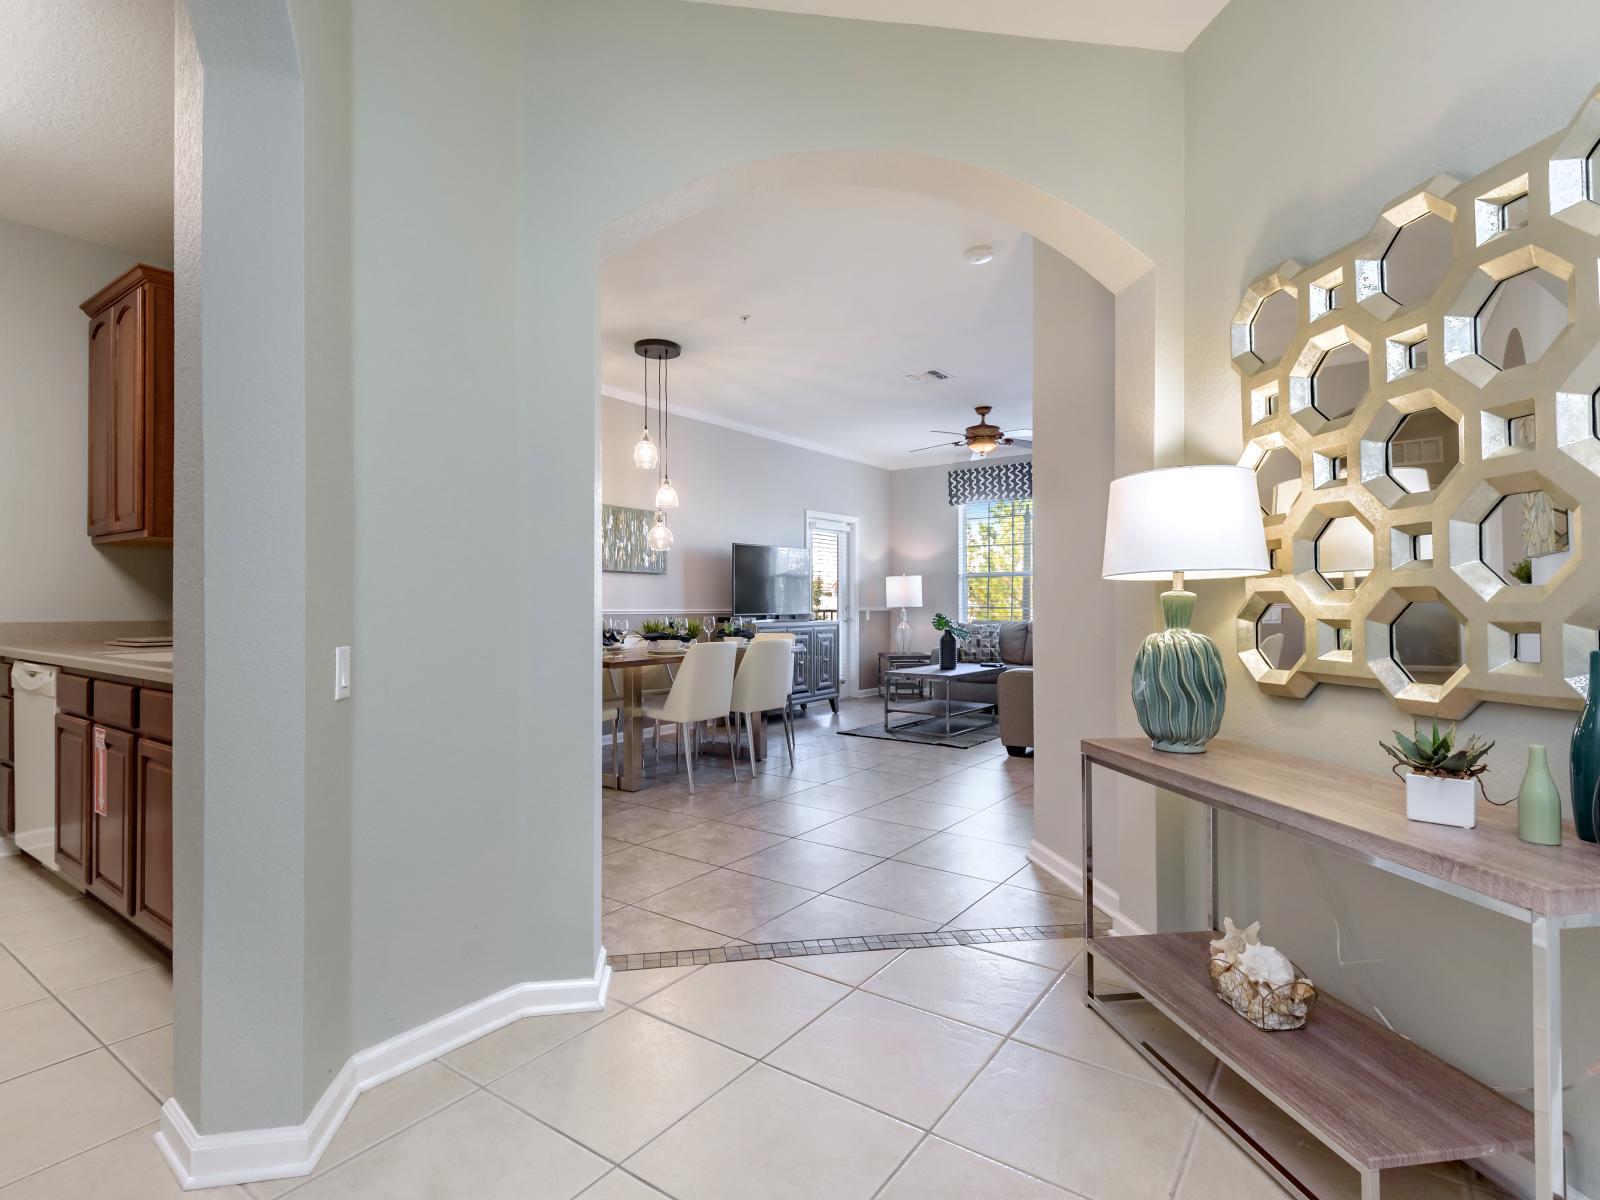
x: 130, y: 409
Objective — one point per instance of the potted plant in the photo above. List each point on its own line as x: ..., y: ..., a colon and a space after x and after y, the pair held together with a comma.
x: 654, y: 629
x: 1442, y: 779
x: 692, y: 631
x: 953, y: 633
x: 728, y: 631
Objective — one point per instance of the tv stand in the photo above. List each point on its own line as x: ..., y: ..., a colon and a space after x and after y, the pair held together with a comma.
x: 816, y: 661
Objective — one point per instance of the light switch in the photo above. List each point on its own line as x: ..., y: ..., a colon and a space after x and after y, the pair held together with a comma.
x: 341, y: 672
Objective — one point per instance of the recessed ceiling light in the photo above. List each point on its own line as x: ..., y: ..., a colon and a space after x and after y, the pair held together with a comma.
x: 978, y: 255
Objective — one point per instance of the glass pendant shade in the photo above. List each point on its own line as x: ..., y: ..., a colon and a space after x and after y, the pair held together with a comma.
x: 666, y: 495
x: 660, y: 537
x: 645, y: 454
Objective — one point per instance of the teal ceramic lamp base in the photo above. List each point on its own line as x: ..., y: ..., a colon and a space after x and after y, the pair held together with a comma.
x: 1178, y: 685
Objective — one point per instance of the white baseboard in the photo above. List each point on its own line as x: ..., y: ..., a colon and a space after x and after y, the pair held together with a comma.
x: 1068, y: 872
x: 202, y: 1160
x: 8, y: 848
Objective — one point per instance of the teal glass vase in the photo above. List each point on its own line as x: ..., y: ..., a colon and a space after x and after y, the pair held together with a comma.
x: 1178, y: 685
x: 1586, y: 758
x: 1538, y: 802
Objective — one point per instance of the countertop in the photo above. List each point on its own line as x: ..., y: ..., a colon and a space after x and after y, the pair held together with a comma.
x: 81, y: 646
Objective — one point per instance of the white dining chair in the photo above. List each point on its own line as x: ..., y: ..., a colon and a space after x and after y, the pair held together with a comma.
x: 763, y: 682
x: 611, y: 714
x: 773, y: 635
x: 701, y: 691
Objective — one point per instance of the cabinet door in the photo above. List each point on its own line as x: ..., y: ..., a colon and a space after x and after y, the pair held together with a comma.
x: 825, y: 660
x: 5, y: 729
x: 152, y: 870
x: 111, y: 816
x: 72, y: 798
x: 101, y: 389
x: 126, y: 414
x: 8, y: 801
x: 801, y: 687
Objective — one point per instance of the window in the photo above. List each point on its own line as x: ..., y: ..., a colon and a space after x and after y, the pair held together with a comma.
x: 997, y: 560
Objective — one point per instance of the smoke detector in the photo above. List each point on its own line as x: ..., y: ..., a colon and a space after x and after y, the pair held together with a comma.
x: 980, y: 254
x: 928, y: 376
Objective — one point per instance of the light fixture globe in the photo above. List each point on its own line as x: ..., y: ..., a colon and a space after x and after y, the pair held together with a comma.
x: 660, y: 537
x: 666, y: 495
x: 645, y: 454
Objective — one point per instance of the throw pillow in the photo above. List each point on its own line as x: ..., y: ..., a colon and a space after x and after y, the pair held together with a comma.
x: 984, y: 644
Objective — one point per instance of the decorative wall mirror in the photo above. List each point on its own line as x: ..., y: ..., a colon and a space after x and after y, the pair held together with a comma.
x: 1422, y: 411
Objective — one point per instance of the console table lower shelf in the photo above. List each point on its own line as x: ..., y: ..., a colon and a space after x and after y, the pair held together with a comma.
x: 1373, y: 1098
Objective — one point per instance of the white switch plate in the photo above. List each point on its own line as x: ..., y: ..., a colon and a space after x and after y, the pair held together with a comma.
x: 341, y: 672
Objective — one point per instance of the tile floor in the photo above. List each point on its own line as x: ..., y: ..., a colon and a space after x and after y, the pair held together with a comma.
x: 861, y: 836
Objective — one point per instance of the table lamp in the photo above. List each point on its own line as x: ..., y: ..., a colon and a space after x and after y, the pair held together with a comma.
x: 1200, y: 522
x: 903, y: 592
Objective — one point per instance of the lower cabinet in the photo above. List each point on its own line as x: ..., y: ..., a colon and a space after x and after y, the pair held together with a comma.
x: 152, y: 841
x: 111, y: 812
x: 73, y: 817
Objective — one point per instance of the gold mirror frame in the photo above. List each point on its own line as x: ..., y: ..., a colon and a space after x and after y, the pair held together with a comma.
x: 1528, y: 428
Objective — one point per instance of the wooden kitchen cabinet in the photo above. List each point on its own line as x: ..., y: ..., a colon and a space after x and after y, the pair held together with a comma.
x: 111, y: 807
x: 130, y: 409
x: 152, y: 870
x: 73, y: 812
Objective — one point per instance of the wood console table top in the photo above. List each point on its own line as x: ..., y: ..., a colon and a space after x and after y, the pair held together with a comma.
x: 1363, y: 814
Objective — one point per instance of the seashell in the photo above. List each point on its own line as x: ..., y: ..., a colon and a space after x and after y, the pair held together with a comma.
x: 1234, y: 940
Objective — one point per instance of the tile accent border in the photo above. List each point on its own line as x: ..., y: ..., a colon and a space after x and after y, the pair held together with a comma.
x: 744, y: 952
x: 202, y: 1160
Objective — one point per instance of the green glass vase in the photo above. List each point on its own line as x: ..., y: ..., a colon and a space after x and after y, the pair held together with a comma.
x: 1586, y: 758
x: 1538, y: 802
x: 1178, y: 684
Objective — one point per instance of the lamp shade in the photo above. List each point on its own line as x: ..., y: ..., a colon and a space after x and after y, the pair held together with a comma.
x: 1203, y: 521
x: 902, y: 591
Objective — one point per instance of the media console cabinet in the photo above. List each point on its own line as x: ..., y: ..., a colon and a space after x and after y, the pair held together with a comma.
x: 1374, y: 1098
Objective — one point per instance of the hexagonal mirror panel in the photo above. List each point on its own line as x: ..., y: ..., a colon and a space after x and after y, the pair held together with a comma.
x: 1339, y: 380
x: 1281, y: 636
x: 1416, y: 261
x: 1521, y: 318
x: 1273, y: 326
x: 1429, y: 641
x: 1278, y: 481
x: 1525, y: 538
x: 1423, y: 449
x: 1344, y: 553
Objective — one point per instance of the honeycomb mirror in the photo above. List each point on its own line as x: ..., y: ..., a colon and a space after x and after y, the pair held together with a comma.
x: 1422, y: 411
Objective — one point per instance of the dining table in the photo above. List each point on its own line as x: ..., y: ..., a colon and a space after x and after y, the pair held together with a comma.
x: 630, y: 663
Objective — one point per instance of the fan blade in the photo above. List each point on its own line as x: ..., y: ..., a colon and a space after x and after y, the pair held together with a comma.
x: 1020, y: 433
x: 960, y: 433
x: 935, y: 446
x: 1028, y: 442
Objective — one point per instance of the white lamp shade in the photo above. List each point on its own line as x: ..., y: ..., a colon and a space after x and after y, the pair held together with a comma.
x: 902, y: 591
x: 1203, y: 521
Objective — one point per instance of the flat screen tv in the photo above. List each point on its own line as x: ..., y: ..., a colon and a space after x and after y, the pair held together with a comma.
x: 771, y: 581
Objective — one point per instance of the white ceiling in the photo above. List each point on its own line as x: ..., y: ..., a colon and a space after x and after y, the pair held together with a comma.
x: 1149, y: 24
x: 848, y: 291
x: 86, y: 120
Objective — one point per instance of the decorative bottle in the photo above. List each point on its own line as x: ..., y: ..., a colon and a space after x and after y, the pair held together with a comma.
x: 947, y: 651
x: 1538, y: 802
x: 1586, y: 757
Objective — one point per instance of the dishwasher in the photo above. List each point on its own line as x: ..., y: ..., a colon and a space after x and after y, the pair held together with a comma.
x: 33, y: 689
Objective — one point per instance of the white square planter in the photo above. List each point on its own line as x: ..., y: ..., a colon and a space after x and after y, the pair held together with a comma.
x: 1442, y: 801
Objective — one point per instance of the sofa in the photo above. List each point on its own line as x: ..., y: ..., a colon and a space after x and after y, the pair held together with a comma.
x: 1009, y: 646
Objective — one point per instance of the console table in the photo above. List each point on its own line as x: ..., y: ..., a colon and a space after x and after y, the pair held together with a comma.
x: 1374, y: 1098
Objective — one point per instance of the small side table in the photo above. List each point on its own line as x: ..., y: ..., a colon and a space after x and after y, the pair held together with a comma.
x: 901, y: 689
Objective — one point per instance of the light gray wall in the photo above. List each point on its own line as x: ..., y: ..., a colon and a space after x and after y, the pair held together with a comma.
x: 1415, y: 89
x: 926, y: 542
x: 52, y: 571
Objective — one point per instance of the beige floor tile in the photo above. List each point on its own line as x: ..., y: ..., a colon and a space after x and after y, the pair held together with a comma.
x: 919, y: 891
x: 1010, y: 829
x: 778, y: 816
x: 965, y: 984
x: 806, y: 864
x: 1036, y: 879
x: 924, y: 814
x: 981, y: 859
x: 966, y: 796
x: 149, y: 1057
x: 1219, y: 1170
x: 831, y: 916
x: 630, y: 987
x: 612, y: 845
x: 509, y: 1047
x: 899, y: 1060
x: 639, y: 825
x: 65, y: 1109
x: 29, y: 890
x: 1127, y: 1140
x: 635, y: 931
x: 608, y: 905
x: 632, y: 874
x: 727, y: 901
x: 716, y: 843
x: 811, y: 767
x: 126, y: 1168
x: 1055, y: 953
x: 942, y: 1171
x: 377, y: 1114
x: 915, y: 769
x: 479, y: 1147
x: 770, y: 786
x: 1008, y: 906
x: 53, y: 923
x: 883, y: 838
x: 619, y: 1185
x: 852, y: 969
x: 750, y: 1007
x: 127, y: 1005
x: 1000, y: 783
x: 881, y: 783
x: 789, y: 1139
x: 16, y: 985
x: 709, y: 804
x: 1063, y: 1024
x: 863, y: 754
x: 621, y: 1083
x: 838, y: 799
x: 38, y: 1034
x: 63, y: 966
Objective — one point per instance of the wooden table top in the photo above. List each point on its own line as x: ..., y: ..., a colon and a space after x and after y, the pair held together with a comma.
x: 1365, y: 814
x: 631, y: 659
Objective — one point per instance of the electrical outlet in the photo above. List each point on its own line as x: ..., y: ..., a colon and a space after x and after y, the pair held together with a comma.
x: 341, y: 672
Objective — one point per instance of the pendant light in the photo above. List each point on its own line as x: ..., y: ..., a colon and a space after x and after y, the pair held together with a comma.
x: 645, y: 454
x: 660, y: 537
x: 662, y: 351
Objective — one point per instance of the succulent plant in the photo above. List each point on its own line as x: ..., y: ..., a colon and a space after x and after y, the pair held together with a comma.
x: 654, y: 625
x: 944, y: 624
x: 1437, y: 754
x: 694, y: 629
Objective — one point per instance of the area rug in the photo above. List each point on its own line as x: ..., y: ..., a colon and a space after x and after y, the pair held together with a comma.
x: 965, y: 732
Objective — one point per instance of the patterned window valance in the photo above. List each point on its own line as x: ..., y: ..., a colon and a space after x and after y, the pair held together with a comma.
x: 1009, y: 480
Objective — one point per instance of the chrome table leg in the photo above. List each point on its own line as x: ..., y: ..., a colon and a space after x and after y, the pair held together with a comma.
x: 1549, y: 1148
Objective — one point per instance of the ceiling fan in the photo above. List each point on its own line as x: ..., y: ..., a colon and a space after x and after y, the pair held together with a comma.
x: 983, y: 438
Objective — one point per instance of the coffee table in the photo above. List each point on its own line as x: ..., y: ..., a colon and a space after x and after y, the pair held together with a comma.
x: 946, y: 707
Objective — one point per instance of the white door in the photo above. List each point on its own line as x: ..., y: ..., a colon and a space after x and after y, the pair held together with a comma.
x: 831, y: 540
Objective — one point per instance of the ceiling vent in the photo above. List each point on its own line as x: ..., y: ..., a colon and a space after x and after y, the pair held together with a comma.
x: 928, y: 376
